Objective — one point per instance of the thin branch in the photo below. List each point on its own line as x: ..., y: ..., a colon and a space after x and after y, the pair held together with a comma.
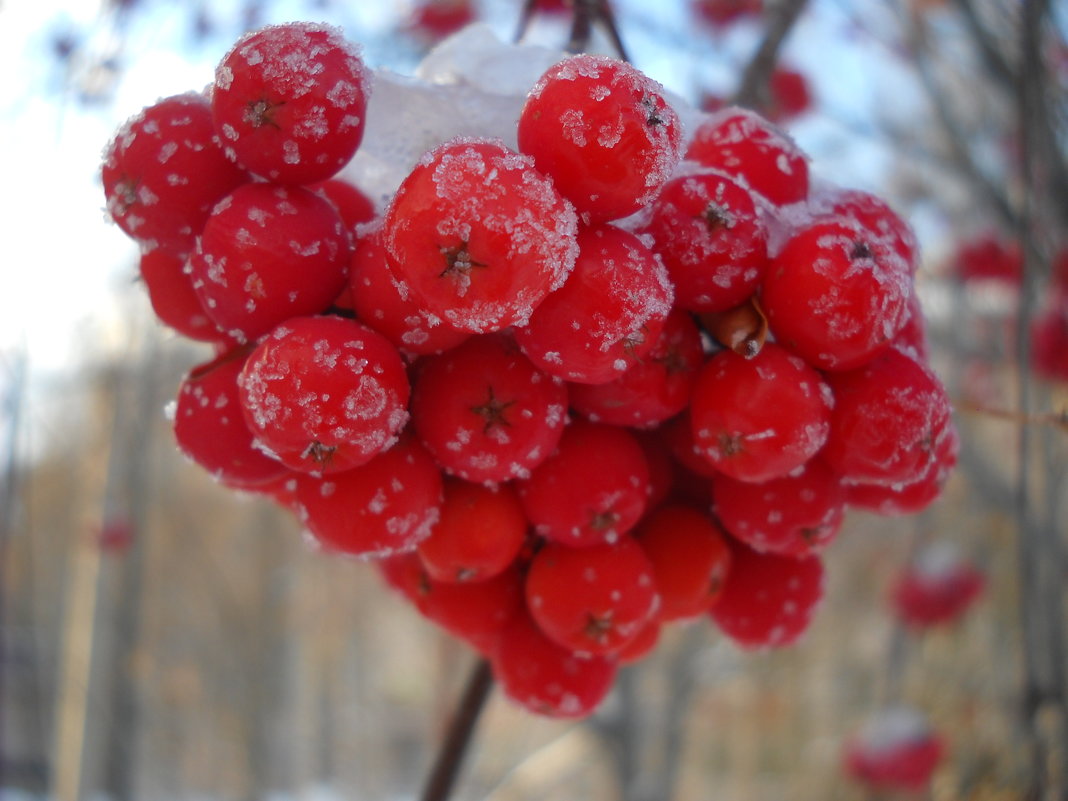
x: 758, y: 71
x: 996, y: 62
x: 443, y: 775
x: 588, y: 13
x: 955, y: 135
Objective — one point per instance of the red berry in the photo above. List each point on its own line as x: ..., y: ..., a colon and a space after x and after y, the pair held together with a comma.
x: 385, y: 507
x: 164, y: 171
x: 604, y: 132
x: 895, y: 751
x: 591, y: 600
x: 836, y: 296
x: 592, y: 490
x: 721, y: 13
x: 608, y: 314
x: 289, y: 101
x: 485, y: 412
x: 876, y: 218
x: 790, y: 95
x: 655, y: 388
x: 768, y: 600
x: 351, y: 203
x: 989, y: 257
x: 474, y: 611
x: 794, y: 515
x: 761, y: 418
x: 937, y: 587
x: 754, y: 152
x: 545, y: 678
x: 269, y: 253
x: 690, y: 558
x: 173, y: 299
x: 479, y: 235
x: 890, y: 420
x: 480, y: 533
x: 436, y: 19
x: 908, y: 499
x: 711, y: 240
x: 387, y: 306
x: 325, y: 394
x: 210, y: 428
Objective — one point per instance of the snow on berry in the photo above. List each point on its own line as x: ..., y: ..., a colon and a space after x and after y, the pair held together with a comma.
x: 325, y: 394
x: 175, y: 302
x: 387, y: 305
x: 164, y: 171
x: 289, y: 102
x: 269, y: 253
x: 593, y: 489
x: 836, y: 295
x: 711, y: 239
x: 768, y: 600
x: 604, y: 132
x: 210, y: 428
x: 761, y: 418
x: 591, y: 600
x: 895, y: 750
x: 382, y: 508
x: 937, y: 586
x: 546, y: 678
x: 890, y: 422
x: 754, y: 152
x: 655, y: 388
x: 607, y: 316
x: 795, y: 515
x: 479, y: 235
x: 485, y: 412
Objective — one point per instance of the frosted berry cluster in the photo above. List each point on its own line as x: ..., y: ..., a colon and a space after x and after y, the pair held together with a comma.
x: 564, y: 393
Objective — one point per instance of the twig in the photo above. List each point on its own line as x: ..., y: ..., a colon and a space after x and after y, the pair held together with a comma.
x: 757, y: 72
x: 588, y: 13
x: 446, y: 767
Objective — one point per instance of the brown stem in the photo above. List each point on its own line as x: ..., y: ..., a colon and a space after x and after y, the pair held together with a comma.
x: 757, y: 72
x: 587, y: 13
x: 446, y: 767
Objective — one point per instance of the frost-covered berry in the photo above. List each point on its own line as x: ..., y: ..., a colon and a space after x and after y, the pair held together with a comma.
x: 604, y: 132
x: 325, y: 394
x: 761, y: 418
x: 479, y: 235
x: 269, y: 253
x: 607, y: 316
x: 289, y: 102
x: 754, y: 152
x: 164, y: 171
x: 485, y: 412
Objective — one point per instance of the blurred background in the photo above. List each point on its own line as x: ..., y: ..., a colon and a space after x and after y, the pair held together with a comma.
x: 162, y: 637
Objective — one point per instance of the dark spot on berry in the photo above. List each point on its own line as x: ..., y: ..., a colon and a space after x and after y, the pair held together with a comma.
x: 716, y: 217
x: 598, y: 627
x: 731, y: 444
x: 602, y: 521
x: 652, y: 117
x: 320, y: 454
x: 492, y: 411
x: 860, y: 250
x: 458, y: 261
x: 260, y: 112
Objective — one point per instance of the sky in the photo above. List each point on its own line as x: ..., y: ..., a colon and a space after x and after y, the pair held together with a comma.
x: 69, y: 274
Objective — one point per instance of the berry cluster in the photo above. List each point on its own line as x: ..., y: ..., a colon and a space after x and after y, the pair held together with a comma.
x: 563, y: 394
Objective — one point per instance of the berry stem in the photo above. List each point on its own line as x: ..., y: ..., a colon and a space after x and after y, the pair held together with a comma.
x: 450, y: 757
x: 754, y: 82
